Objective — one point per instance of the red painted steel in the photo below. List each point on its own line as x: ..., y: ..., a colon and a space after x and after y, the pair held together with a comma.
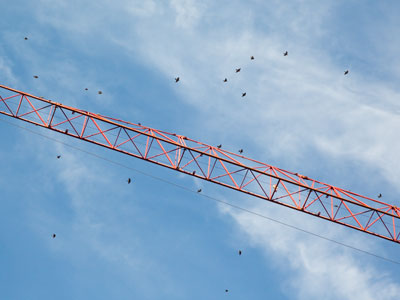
x: 210, y: 163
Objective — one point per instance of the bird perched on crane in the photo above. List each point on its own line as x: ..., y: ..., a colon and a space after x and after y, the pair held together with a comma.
x: 241, y: 151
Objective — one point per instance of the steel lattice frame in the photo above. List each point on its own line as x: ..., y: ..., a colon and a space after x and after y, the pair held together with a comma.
x: 210, y: 163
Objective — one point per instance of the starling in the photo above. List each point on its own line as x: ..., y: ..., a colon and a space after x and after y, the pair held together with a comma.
x: 252, y: 57
x: 176, y: 79
x: 86, y: 89
x: 35, y: 76
x: 129, y: 180
x: 238, y: 70
x: 226, y: 80
x: 139, y: 124
x: 319, y: 213
x: 240, y: 252
x: 194, y: 173
x: 25, y: 38
x: 380, y: 196
x: 99, y: 92
x: 219, y: 146
x: 54, y: 235
x: 243, y: 94
x: 58, y: 156
x: 226, y: 291
x: 199, y: 190
x: 346, y: 72
x: 285, y: 54
x: 66, y: 130
x: 241, y: 151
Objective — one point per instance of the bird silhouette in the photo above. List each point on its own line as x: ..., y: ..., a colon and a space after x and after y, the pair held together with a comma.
x: 199, y: 190
x: 240, y: 252
x: 54, y: 235
x: 226, y: 80
x: 139, y: 124
x: 241, y: 151
x: 99, y: 92
x: 346, y: 72
x: 176, y: 79
x: 35, y: 76
x: 319, y: 213
x: 58, y: 156
x: 219, y: 146
x: 243, y: 94
x: 25, y: 38
x: 86, y: 89
x: 66, y: 130
x: 238, y: 70
x: 380, y: 196
x: 285, y: 54
x: 252, y: 57
x: 226, y: 291
x: 194, y: 173
x: 129, y: 180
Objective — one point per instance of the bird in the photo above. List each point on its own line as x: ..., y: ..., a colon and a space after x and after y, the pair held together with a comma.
x: 226, y: 291
x: 129, y: 180
x: 346, y: 72
x: 86, y: 89
x: 176, y: 79
x: 335, y: 205
x: 199, y: 190
x: 25, y: 38
x: 54, y: 235
x: 285, y: 54
x: 243, y: 94
x: 240, y: 252
x: 140, y: 124
x: 238, y: 70
x: 252, y: 57
x: 380, y: 196
x: 226, y: 80
x: 73, y: 112
x: 319, y: 213
x: 194, y: 173
x: 58, y: 156
x: 99, y: 92
x: 66, y: 130
x: 241, y: 151
x: 219, y: 146
x: 35, y: 76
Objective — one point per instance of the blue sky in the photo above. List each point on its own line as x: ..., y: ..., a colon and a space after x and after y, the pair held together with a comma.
x: 151, y: 239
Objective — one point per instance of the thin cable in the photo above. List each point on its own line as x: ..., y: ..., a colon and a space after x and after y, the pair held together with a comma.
x: 206, y: 196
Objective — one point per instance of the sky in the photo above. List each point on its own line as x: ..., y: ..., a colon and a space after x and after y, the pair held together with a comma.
x: 152, y: 239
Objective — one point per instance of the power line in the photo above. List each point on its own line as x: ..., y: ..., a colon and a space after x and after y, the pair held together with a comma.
x: 204, y: 195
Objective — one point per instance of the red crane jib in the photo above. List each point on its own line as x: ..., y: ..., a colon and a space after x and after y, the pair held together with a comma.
x: 210, y: 163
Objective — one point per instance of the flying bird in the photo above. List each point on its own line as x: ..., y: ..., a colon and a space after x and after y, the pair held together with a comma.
x: 226, y: 291
x: 86, y: 89
x: 346, y: 72
x: 58, y: 156
x: 238, y: 70
x: 219, y: 146
x: 25, y: 38
x: 240, y: 252
x: 243, y: 94
x: 35, y: 76
x: 241, y: 151
x: 285, y: 54
x: 129, y: 180
x: 99, y: 92
x: 54, y: 235
x: 226, y: 80
x: 199, y: 190
x: 252, y: 57
x: 176, y: 79
x: 380, y: 196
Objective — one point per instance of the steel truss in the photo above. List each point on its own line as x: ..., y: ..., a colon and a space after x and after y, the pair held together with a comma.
x: 210, y: 163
